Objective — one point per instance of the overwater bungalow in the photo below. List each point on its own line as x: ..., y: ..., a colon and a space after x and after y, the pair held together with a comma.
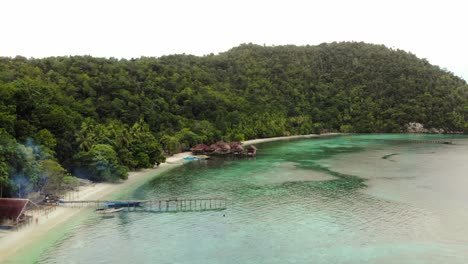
x: 251, y: 150
x: 200, y: 149
x: 236, y: 147
x: 213, y: 149
x: 221, y: 147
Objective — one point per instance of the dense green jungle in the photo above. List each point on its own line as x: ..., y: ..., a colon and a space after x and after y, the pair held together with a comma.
x: 98, y: 118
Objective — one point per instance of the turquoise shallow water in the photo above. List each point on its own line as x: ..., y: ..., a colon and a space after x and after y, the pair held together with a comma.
x: 347, y: 199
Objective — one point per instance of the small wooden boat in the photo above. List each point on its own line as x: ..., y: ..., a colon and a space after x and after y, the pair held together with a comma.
x: 198, y: 157
x: 123, y: 204
x: 108, y: 210
x: 203, y: 157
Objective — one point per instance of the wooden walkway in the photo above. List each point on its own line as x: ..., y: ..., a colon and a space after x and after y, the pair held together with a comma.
x: 416, y: 141
x: 161, y: 205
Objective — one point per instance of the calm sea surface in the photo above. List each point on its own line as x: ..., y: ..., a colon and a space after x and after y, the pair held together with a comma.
x: 346, y: 199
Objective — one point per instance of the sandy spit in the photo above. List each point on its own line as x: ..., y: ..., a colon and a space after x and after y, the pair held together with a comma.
x: 261, y: 140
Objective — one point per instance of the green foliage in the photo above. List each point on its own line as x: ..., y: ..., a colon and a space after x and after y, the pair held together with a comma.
x: 170, y: 144
x: 45, y: 138
x: 4, y: 178
x: 26, y: 167
x: 346, y: 128
x: 53, y: 175
x: 187, y: 138
x: 141, y: 107
x: 100, y: 163
x: 69, y: 182
x: 238, y: 137
x: 145, y: 148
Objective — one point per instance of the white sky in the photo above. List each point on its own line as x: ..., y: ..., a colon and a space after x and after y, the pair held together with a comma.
x: 435, y: 30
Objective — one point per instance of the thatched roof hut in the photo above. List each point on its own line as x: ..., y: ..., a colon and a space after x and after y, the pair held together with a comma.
x: 221, y: 147
x: 213, y: 148
x: 251, y: 150
x: 236, y: 147
x: 200, y: 149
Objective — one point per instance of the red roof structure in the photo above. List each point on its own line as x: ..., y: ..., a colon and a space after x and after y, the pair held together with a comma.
x: 12, y: 210
x: 200, y: 149
x: 223, y: 147
x: 251, y: 150
x: 236, y: 147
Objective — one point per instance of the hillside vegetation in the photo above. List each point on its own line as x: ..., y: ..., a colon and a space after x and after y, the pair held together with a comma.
x: 98, y: 117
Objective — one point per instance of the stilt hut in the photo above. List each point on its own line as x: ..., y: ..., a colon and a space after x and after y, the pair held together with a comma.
x: 213, y: 149
x: 222, y: 147
x: 12, y: 212
x: 236, y: 147
x: 251, y: 150
x: 200, y: 149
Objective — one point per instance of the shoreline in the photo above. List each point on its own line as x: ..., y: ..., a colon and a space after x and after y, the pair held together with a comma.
x: 15, y: 241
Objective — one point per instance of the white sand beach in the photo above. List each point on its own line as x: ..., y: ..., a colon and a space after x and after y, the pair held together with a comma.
x: 13, y: 241
x: 261, y: 140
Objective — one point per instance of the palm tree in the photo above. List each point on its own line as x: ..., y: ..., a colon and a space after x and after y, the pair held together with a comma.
x: 86, y: 137
x: 124, y: 138
x: 138, y: 128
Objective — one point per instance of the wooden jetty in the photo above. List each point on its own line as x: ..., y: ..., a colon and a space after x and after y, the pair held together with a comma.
x: 416, y: 141
x: 198, y: 204
x: 161, y: 205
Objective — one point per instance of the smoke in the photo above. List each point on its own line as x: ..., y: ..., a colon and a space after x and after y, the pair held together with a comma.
x: 35, y: 151
x: 22, y: 185
x: 25, y: 168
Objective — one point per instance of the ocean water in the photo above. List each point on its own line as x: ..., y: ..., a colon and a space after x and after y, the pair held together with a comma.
x: 345, y: 199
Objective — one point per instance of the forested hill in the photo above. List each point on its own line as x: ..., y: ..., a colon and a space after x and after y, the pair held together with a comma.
x: 100, y: 117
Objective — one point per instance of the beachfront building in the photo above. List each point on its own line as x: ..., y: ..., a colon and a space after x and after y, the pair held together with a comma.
x: 200, y: 149
x: 236, y: 147
x: 251, y: 150
x: 12, y: 212
x: 221, y: 147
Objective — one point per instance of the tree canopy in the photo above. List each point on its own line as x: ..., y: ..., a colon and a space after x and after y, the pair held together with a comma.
x: 98, y: 118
